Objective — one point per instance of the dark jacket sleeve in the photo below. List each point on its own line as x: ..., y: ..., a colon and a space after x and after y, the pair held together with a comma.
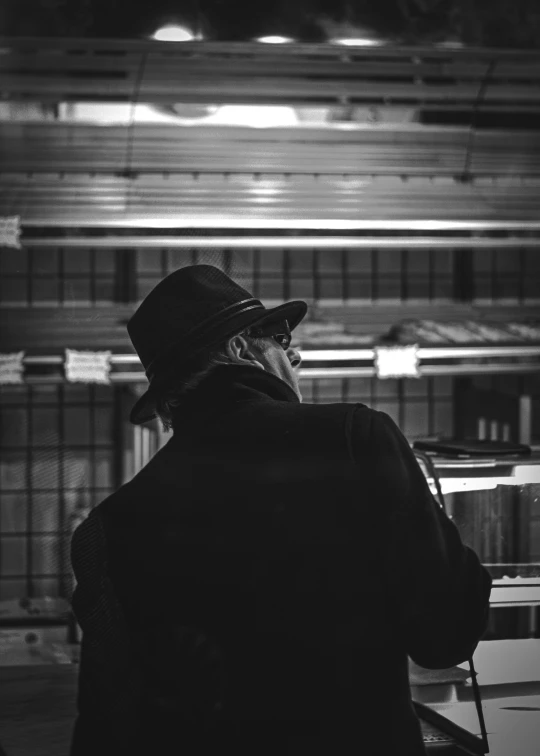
x: 437, y: 585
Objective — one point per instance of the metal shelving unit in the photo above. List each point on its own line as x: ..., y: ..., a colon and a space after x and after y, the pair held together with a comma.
x: 300, y: 74
x: 437, y: 356
x: 232, y: 196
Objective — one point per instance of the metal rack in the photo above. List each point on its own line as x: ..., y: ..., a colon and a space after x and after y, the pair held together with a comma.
x: 58, y: 448
x: 409, y: 176
x: 434, y: 354
x: 404, y: 149
x: 231, y: 197
x: 311, y: 202
x: 300, y: 74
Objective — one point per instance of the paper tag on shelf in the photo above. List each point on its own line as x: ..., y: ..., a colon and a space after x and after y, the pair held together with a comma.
x: 87, y: 367
x: 10, y: 231
x: 11, y: 367
x: 397, y: 361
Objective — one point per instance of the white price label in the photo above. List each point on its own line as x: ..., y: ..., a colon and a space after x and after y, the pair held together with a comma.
x: 87, y: 367
x: 397, y: 361
x: 10, y: 231
x: 11, y: 367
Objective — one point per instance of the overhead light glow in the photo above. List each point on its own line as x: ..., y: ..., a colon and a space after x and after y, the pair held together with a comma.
x: 357, y: 42
x: 173, y: 33
x: 274, y: 39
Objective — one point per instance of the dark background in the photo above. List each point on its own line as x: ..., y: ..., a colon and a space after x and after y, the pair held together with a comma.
x: 497, y: 23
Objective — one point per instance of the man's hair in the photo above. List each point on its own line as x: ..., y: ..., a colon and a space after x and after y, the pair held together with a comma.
x: 180, y: 381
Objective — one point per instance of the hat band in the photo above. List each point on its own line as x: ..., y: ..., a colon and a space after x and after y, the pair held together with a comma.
x: 203, y: 328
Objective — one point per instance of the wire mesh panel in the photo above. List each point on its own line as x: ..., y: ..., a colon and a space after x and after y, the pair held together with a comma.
x: 420, y: 407
x: 57, y: 442
x: 57, y: 277
x: 57, y: 459
x: 323, y: 276
x: 65, y: 277
x: 506, y: 276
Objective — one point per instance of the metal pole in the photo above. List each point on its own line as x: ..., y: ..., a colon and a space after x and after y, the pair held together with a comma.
x: 275, y: 242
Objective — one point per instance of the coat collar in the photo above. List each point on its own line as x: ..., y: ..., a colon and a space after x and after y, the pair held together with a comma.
x: 233, y: 384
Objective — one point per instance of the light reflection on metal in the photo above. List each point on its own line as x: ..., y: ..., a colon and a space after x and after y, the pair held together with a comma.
x: 426, y: 353
x: 304, y: 374
x: 519, y: 477
x: 425, y: 370
x: 314, y: 224
x: 521, y: 592
x: 318, y: 373
x: 463, y: 485
x: 290, y: 242
x: 354, y: 355
x: 432, y: 353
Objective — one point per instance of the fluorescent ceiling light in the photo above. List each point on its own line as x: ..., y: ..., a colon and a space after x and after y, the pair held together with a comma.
x: 274, y: 39
x: 173, y: 33
x: 357, y: 42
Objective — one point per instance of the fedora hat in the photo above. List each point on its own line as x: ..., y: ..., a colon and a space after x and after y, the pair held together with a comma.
x: 195, y: 308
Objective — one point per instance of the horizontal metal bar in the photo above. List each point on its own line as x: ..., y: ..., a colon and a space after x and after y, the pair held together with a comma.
x: 410, y: 149
x: 313, y: 224
x: 128, y: 378
x: 44, y: 380
x: 441, y: 353
x: 273, y: 242
x: 518, y: 368
x: 324, y: 49
x: 425, y: 370
x: 323, y: 355
x: 357, y: 372
x: 124, y: 359
x: 43, y: 360
x: 515, y: 592
x: 251, y: 72
x: 432, y: 353
x: 310, y: 374
x: 343, y: 355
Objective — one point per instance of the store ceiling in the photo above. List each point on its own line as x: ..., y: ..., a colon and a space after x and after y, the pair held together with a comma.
x: 340, y: 177
x: 500, y: 23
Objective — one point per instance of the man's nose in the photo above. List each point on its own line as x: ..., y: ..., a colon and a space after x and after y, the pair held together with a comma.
x: 294, y: 357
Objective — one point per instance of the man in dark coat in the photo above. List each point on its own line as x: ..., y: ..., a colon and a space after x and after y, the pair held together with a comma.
x: 259, y: 586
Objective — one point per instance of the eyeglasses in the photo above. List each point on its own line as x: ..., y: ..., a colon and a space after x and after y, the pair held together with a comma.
x: 280, y: 332
x: 283, y: 339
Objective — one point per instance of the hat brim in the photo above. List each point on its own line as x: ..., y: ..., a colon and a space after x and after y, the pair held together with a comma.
x: 144, y: 408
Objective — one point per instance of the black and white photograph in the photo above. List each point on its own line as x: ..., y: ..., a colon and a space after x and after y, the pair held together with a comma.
x: 269, y: 378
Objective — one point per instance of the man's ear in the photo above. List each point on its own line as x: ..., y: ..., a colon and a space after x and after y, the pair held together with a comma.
x: 241, y: 352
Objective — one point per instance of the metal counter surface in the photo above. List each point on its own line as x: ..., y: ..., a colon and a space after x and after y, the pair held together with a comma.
x: 509, y: 678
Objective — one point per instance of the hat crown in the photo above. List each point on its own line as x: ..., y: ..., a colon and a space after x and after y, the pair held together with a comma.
x: 182, y: 308
x: 194, y: 308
